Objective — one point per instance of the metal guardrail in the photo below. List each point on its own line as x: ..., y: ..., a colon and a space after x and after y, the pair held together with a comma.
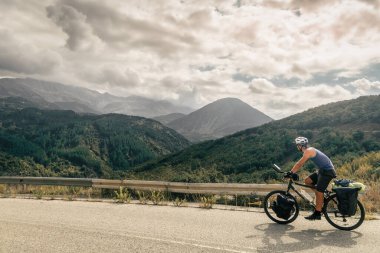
x: 58, y: 181
x: 205, y: 188
x: 201, y: 188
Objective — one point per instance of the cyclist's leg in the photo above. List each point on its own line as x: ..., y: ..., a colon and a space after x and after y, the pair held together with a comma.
x: 319, y: 201
x: 312, y: 180
x: 322, y: 183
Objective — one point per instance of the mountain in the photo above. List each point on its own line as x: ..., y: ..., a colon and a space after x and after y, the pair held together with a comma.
x: 11, y: 104
x: 83, y: 100
x: 165, y: 119
x: 48, y: 95
x: 36, y: 142
x: 218, y: 119
x: 343, y: 130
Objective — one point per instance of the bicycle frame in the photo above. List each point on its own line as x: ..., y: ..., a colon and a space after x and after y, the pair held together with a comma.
x: 291, y: 187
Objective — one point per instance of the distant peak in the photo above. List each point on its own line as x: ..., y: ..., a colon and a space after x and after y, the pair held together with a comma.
x: 229, y: 99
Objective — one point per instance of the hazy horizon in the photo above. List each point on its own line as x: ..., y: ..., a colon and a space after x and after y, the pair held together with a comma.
x: 281, y: 57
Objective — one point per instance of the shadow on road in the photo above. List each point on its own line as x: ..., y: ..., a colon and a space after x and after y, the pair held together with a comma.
x: 282, y: 238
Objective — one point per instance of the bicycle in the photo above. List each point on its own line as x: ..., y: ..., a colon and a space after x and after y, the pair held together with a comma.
x: 330, y: 206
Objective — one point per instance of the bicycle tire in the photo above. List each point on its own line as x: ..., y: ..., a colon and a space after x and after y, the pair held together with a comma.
x: 275, y: 219
x: 330, y: 220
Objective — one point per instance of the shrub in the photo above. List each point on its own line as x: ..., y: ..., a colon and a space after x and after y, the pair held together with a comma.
x: 157, y: 197
x: 122, y: 196
x: 179, y: 202
x: 207, y: 201
x: 143, y: 199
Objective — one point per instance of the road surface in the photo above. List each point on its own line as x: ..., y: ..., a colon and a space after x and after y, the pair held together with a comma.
x: 76, y: 226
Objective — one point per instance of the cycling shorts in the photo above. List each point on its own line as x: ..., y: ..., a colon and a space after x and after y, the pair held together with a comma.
x: 321, y: 181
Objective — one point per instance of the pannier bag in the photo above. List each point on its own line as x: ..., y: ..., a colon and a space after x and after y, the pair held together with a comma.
x: 347, y: 194
x: 347, y: 200
x: 283, y: 206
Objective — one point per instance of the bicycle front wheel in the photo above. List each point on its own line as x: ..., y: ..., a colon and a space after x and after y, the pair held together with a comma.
x: 268, y: 207
x: 343, y: 222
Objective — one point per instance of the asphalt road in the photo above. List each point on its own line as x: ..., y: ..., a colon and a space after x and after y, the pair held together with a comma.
x: 63, y: 226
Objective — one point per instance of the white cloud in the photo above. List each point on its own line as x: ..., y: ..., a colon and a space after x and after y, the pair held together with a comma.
x: 365, y: 87
x: 283, y: 101
x: 262, y: 86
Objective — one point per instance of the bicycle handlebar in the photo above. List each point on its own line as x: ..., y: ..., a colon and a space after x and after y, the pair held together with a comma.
x: 290, y: 176
x: 277, y: 168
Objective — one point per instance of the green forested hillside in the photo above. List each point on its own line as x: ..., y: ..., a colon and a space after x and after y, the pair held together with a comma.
x: 343, y: 130
x: 62, y: 143
x: 36, y: 142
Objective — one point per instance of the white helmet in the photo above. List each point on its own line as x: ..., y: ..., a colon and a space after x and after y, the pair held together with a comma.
x: 303, y: 141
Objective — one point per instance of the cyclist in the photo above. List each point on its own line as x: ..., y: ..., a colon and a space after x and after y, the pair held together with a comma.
x: 320, y: 179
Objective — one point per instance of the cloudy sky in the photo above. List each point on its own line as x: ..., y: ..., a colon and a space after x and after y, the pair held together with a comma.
x: 281, y: 57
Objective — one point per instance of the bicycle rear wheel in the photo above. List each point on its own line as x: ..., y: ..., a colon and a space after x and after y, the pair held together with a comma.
x: 268, y: 202
x: 343, y: 222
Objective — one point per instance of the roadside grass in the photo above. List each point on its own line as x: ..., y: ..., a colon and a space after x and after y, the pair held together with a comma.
x: 370, y: 198
x: 125, y: 195
x: 49, y: 192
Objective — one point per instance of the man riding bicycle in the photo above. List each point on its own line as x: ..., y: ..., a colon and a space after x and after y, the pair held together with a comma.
x: 320, y: 179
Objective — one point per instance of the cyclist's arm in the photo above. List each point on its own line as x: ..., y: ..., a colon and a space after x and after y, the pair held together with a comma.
x: 306, y: 155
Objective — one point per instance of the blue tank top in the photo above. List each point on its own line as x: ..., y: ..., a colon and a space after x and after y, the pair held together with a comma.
x: 322, y: 161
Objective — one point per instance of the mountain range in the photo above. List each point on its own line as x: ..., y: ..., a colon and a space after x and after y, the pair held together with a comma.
x: 51, y: 95
x: 215, y: 120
